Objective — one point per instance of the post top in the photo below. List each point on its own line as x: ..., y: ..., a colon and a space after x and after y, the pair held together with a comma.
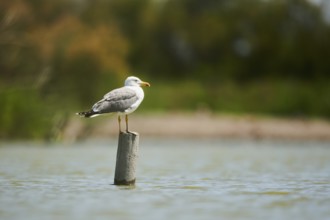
x: 129, y: 133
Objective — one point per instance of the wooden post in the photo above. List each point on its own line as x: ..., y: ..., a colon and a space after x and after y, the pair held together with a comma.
x: 127, y: 154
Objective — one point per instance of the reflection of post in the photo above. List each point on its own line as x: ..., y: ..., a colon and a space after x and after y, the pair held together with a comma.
x: 127, y: 154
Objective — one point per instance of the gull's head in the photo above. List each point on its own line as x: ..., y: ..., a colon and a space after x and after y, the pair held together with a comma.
x: 134, y: 81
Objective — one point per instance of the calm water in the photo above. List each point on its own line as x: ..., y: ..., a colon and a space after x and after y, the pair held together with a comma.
x: 176, y: 179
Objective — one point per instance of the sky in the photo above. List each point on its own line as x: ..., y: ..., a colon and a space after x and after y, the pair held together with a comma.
x: 325, y: 4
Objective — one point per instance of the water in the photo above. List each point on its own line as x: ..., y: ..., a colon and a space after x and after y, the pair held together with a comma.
x: 176, y: 179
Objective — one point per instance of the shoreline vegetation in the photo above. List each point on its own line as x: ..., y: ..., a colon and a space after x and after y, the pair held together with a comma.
x: 199, y: 125
x: 237, y: 57
x: 268, y: 109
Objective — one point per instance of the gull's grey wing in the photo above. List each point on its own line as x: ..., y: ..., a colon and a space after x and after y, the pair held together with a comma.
x: 117, y: 100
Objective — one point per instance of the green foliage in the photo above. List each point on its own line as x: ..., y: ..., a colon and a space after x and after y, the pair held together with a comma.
x: 280, y: 98
x: 256, y: 56
x: 240, y: 40
x: 24, y: 114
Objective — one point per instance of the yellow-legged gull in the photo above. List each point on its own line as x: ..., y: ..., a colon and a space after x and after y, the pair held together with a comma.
x: 123, y: 101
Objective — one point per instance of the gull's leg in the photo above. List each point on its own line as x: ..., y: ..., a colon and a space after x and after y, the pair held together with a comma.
x: 126, y: 119
x: 119, y: 120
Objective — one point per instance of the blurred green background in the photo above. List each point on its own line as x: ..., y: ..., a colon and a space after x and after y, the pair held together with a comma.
x: 268, y: 57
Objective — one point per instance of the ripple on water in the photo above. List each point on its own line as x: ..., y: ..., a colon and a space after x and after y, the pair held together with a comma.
x: 176, y: 181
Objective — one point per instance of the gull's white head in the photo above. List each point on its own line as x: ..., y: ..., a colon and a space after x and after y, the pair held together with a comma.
x: 134, y: 81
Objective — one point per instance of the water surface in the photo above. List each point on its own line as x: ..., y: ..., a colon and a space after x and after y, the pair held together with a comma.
x: 176, y: 179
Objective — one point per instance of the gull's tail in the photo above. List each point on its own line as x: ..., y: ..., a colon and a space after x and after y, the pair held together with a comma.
x: 87, y: 114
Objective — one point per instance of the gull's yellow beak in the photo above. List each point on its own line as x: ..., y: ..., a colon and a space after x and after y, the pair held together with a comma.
x: 144, y: 84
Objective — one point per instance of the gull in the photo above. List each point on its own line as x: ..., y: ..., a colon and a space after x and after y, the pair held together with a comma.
x: 122, y: 101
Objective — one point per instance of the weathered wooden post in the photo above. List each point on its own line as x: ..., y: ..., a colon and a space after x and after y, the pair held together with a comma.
x: 127, y: 154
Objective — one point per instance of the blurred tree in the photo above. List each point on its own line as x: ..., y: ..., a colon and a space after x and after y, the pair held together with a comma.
x: 240, y: 40
x: 70, y: 52
x: 77, y: 53
x: 49, y: 55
